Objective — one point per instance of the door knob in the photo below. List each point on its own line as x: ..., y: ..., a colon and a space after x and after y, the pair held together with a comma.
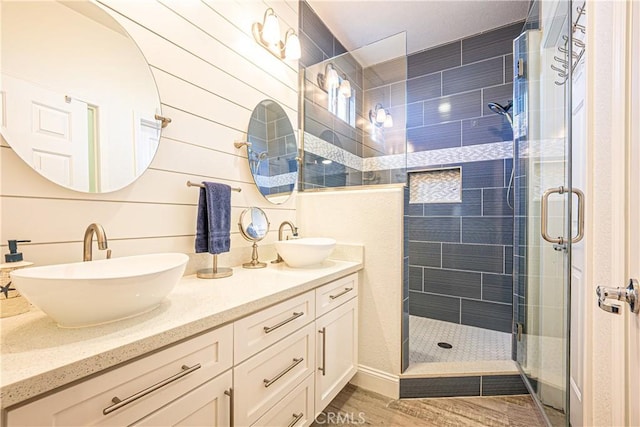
x: 630, y: 294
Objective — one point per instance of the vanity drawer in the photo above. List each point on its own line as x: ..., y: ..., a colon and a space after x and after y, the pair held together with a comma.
x: 294, y: 410
x: 335, y: 293
x: 258, y: 331
x: 148, y: 384
x: 266, y: 378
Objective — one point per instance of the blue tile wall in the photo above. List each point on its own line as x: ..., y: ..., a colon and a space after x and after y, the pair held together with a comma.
x: 469, y: 280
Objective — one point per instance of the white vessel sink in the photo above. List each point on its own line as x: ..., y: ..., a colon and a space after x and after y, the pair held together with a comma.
x: 306, y: 251
x: 91, y: 293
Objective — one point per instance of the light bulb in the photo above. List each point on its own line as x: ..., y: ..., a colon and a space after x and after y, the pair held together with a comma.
x: 333, y: 80
x: 345, y: 88
x: 292, y: 47
x: 271, y: 29
x: 388, y: 121
x: 381, y: 115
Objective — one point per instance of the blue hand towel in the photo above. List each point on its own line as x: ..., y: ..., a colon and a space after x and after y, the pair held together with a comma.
x: 214, y: 219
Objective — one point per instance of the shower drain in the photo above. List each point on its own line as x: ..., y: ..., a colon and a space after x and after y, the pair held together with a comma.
x: 444, y: 345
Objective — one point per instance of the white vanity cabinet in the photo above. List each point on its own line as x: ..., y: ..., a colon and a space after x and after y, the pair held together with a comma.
x: 337, y: 338
x: 279, y: 366
x: 151, y: 385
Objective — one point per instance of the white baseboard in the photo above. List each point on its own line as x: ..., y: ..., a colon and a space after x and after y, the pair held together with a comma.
x: 377, y: 381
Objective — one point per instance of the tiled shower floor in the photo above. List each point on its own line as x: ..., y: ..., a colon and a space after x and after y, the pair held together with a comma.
x: 469, y: 343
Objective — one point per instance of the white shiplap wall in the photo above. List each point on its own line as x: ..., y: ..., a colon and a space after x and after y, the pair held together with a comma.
x: 210, y: 75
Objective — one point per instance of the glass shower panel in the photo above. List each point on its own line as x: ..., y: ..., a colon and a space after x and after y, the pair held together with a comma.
x: 541, y: 188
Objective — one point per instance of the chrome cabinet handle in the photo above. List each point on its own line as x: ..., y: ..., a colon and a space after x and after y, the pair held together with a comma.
x: 295, y: 363
x: 341, y: 293
x: 268, y: 329
x: 117, y: 403
x: 296, y: 418
x: 545, y: 214
x: 323, y: 369
x: 231, y: 418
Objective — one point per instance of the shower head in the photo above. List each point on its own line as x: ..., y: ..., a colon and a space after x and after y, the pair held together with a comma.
x: 499, y: 109
x: 503, y: 110
x: 263, y: 155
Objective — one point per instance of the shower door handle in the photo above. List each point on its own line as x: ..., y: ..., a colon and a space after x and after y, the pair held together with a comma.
x: 545, y: 216
x: 630, y: 295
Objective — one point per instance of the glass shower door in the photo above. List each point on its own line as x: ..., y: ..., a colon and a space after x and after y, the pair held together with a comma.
x: 542, y: 192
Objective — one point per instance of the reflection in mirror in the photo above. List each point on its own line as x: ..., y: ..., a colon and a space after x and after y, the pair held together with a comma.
x: 254, y: 226
x: 352, y: 149
x: 79, y: 98
x: 273, y: 151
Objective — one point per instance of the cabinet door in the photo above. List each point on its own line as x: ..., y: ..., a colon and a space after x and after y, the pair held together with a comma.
x: 337, y: 351
x: 207, y: 405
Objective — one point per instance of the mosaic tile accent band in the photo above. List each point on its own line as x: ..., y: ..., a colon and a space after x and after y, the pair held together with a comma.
x: 421, y: 159
x: 276, y: 180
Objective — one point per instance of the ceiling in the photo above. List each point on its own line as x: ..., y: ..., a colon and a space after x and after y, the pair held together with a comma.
x: 428, y: 23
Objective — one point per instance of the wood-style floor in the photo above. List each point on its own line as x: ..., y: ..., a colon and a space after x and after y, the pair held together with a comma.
x: 355, y: 406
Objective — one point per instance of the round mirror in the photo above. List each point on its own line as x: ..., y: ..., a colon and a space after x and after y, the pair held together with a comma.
x: 272, y: 152
x: 78, y: 98
x: 254, y: 226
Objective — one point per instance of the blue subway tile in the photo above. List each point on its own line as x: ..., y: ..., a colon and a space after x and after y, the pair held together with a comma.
x: 424, y: 87
x: 415, y: 279
x: 488, y: 315
x: 508, y: 68
x: 497, y: 230
x: 494, y: 202
x: 452, y: 282
x: 424, y: 254
x: 471, y: 206
x: 445, y: 135
x: 486, y: 130
x: 484, y: 258
x: 491, y: 43
x: 503, y: 385
x: 453, y: 107
x: 497, y: 287
x: 439, y: 387
x: 473, y: 76
x: 316, y: 30
x: 415, y: 114
x: 435, y: 59
x: 489, y: 173
x: 310, y: 53
x: 434, y: 229
x: 434, y: 306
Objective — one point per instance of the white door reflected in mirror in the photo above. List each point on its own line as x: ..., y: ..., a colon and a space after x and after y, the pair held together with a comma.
x: 79, y: 100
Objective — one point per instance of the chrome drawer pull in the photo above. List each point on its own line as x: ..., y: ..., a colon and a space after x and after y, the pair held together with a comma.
x: 268, y: 329
x: 229, y: 393
x: 323, y: 369
x: 296, y: 418
x: 117, y: 403
x: 295, y: 363
x: 341, y: 293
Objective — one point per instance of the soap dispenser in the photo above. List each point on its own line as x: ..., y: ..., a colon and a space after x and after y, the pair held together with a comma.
x: 11, y: 302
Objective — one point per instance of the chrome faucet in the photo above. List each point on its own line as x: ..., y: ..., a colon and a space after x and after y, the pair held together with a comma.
x: 294, y: 230
x: 101, y: 237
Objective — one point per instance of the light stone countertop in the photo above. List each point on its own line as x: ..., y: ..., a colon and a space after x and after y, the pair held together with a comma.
x: 37, y: 356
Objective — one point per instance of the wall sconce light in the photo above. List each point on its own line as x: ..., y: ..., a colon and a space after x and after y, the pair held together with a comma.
x: 380, y: 117
x: 330, y: 80
x: 267, y: 35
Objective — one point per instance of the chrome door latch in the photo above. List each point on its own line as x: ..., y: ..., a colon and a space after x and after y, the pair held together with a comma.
x: 630, y: 294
